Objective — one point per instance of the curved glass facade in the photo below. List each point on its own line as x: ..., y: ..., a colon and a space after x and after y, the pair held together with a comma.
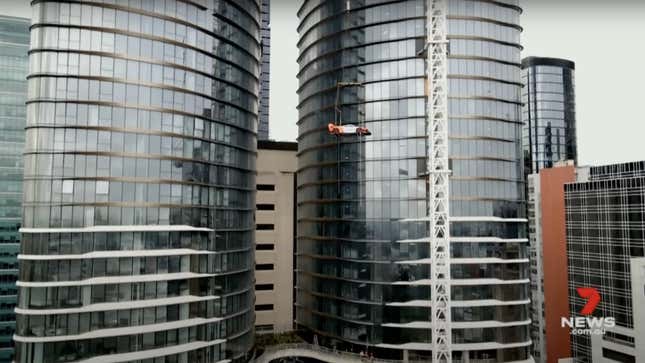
x: 138, y: 217
x: 363, y: 263
x: 549, y: 112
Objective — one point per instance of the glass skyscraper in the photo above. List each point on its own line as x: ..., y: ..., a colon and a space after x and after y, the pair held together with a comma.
x: 138, y: 216
x: 549, y: 112
x: 363, y: 253
x: 14, y: 44
x: 265, y: 32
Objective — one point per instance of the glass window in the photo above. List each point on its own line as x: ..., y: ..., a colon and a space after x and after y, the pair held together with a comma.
x: 121, y: 19
x: 102, y: 187
x: 68, y: 186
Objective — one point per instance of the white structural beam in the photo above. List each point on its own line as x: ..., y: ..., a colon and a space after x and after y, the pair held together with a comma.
x: 438, y: 179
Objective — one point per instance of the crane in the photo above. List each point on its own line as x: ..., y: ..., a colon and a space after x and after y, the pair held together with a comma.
x: 438, y: 178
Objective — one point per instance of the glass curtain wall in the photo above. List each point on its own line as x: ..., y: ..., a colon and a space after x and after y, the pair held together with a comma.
x: 363, y: 257
x: 139, y: 198
x: 265, y: 78
x: 549, y: 112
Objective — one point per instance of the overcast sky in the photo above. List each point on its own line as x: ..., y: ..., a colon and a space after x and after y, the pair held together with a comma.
x: 606, y: 39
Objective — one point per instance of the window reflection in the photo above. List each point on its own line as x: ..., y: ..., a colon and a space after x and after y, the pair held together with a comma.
x: 143, y: 117
x: 362, y: 241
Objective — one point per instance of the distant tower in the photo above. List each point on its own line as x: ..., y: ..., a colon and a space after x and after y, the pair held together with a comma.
x: 549, y: 112
x: 14, y: 44
x: 265, y: 17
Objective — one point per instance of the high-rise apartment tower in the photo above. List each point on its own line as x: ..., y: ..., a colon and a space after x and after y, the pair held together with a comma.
x: 363, y: 249
x: 138, y: 217
x: 549, y: 112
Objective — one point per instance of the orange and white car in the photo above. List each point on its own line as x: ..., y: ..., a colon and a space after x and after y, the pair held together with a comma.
x: 344, y: 130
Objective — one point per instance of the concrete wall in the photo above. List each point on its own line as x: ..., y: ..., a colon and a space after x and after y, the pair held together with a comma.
x: 275, y: 168
x: 638, y: 304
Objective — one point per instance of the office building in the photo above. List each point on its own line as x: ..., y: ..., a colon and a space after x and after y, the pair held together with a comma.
x: 139, y: 192
x: 548, y: 253
x: 265, y: 32
x: 549, y: 112
x: 605, y: 242
x: 363, y: 264
x: 14, y: 44
x: 275, y: 236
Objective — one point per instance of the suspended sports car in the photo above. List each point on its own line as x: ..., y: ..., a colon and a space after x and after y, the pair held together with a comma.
x: 348, y: 130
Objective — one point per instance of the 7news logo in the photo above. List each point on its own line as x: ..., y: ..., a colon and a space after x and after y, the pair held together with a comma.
x: 587, y: 324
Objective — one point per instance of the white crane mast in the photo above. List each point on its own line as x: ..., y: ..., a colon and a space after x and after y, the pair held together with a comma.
x: 438, y: 179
